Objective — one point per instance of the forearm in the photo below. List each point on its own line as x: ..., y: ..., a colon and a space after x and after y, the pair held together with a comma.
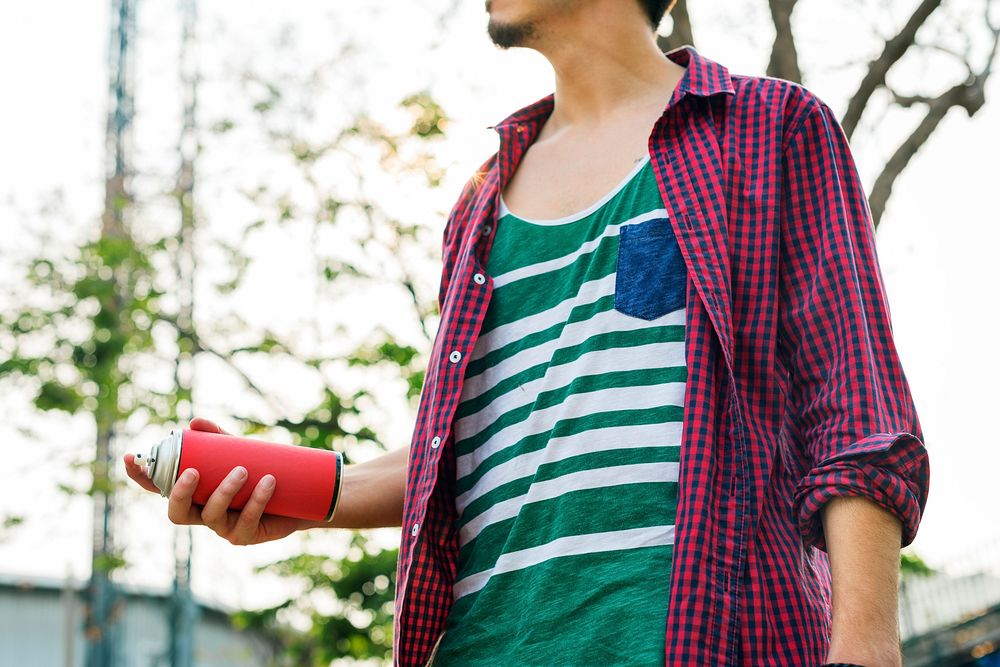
x: 372, y: 493
x: 863, y: 543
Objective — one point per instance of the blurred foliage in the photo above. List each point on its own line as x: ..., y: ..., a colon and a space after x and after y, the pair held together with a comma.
x: 8, y: 523
x: 80, y: 328
x: 98, y: 330
x: 386, y: 350
x: 345, y: 608
x: 76, y: 339
x: 912, y: 564
x: 86, y: 318
x: 347, y: 605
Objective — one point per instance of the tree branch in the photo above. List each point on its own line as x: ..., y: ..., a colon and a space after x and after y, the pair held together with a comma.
x: 969, y: 95
x: 784, y: 62
x: 877, y: 69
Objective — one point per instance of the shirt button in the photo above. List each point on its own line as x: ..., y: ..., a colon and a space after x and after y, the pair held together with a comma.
x: 479, y: 278
x: 486, y: 229
x: 416, y: 527
x: 455, y: 356
x: 436, y: 441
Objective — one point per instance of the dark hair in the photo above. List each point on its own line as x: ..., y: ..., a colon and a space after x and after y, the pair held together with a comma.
x: 655, y: 10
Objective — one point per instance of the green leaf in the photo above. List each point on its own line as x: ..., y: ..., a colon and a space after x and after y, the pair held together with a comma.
x: 56, y: 396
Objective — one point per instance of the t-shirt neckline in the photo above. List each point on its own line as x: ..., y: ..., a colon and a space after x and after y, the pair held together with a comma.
x: 572, y: 217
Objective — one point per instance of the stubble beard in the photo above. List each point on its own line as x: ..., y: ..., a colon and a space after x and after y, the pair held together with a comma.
x: 507, y: 35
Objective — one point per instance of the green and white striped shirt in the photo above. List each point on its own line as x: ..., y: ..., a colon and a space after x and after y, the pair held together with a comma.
x: 567, y: 440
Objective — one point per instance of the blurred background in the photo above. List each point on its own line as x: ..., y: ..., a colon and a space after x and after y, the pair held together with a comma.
x: 235, y: 211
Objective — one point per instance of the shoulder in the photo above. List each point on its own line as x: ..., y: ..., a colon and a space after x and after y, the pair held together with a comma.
x: 782, y: 103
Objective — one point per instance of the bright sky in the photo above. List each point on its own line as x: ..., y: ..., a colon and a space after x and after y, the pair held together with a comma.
x: 936, y: 242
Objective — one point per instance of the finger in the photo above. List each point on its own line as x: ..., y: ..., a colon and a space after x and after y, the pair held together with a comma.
x: 138, y: 475
x: 200, y: 424
x: 179, y: 509
x: 215, y: 514
x: 245, y: 530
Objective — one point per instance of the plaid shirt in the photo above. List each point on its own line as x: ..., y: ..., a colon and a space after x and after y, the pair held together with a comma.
x: 795, y: 391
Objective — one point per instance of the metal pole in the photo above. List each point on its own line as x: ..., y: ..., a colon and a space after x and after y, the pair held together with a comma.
x: 69, y: 619
x: 104, y: 606
x: 183, y: 609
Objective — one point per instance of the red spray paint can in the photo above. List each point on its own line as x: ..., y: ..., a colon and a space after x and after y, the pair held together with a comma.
x: 307, y: 480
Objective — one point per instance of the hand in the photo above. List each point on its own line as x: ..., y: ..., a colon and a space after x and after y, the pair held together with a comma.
x: 241, y: 527
x: 138, y: 475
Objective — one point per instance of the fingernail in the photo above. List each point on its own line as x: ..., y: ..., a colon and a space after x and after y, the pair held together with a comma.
x: 267, y: 483
x: 188, y: 475
x: 239, y: 472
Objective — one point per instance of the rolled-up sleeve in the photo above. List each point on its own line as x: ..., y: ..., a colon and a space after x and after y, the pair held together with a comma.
x: 847, y: 399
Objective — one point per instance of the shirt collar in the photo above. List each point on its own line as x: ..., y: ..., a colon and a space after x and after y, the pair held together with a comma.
x: 702, y: 76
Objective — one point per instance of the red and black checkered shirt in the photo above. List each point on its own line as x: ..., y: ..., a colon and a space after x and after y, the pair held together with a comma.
x: 795, y: 392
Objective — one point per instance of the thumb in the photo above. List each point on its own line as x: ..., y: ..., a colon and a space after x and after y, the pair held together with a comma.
x: 200, y: 424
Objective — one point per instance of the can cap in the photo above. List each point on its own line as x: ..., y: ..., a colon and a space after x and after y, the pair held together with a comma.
x: 161, y: 461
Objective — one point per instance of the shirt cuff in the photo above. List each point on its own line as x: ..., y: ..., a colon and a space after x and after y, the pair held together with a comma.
x: 890, y: 469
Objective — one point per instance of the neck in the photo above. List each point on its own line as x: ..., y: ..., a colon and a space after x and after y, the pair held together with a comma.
x: 610, y: 72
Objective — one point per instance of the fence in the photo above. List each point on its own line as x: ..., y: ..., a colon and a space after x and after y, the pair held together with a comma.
x: 952, y: 617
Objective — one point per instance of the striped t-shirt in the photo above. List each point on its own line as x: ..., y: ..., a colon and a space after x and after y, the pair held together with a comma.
x: 567, y: 440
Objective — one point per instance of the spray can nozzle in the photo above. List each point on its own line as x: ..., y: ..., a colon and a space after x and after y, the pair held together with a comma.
x: 144, y: 460
x: 161, y: 461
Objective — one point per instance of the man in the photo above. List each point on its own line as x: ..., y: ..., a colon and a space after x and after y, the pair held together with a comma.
x: 663, y: 398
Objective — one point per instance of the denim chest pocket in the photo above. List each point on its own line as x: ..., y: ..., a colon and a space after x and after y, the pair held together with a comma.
x: 650, y: 275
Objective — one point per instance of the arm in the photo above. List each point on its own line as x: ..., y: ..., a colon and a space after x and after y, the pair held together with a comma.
x: 371, y: 497
x: 372, y: 493
x: 852, y: 420
x: 863, y: 542
x: 852, y: 423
